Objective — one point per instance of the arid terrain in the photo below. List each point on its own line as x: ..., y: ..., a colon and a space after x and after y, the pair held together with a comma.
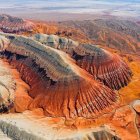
x: 69, y: 80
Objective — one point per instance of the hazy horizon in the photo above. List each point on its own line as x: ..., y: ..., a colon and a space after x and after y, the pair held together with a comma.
x: 126, y: 8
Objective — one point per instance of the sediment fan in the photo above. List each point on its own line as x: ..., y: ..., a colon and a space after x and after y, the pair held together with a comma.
x: 57, y: 84
x: 107, y: 67
x: 10, y: 24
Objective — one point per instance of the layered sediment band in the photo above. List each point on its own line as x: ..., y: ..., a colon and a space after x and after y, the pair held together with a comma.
x: 57, y: 84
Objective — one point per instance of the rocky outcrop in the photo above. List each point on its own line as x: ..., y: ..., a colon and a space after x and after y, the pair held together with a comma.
x: 57, y: 84
x: 102, y: 135
x: 125, y: 26
x: 22, y: 102
x: 7, y: 88
x: 121, y: 124
x: 104, y: 66
x: 15, y: 133
x: 126, y: 121
x: 61, y: 43
x: 10, y: 24
x: 4, y: 136
x: 4, y: 42
x: 122, y: 35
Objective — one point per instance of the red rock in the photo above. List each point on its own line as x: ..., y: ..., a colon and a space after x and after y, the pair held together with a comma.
x: 38, y: 112
x: 22, y: 102
x: 122, y: 35
x: 104, y: 66
x: 124, y: 122
x: 57, y: 84
x: 10, y: 24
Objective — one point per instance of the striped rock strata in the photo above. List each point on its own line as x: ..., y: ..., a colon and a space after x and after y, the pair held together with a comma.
x: 107, y: 67
x: 10, y: 24
x: 57, y: 84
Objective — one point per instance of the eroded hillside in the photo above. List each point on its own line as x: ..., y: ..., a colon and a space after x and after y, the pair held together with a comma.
x: 73, y: 80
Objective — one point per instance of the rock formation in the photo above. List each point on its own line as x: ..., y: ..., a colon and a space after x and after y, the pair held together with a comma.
x: 104, y: 66
x: 122, y: 35
x: 61, y: 43
x: 10, y: 24
x: 66, y: 80
x: 7, y: 88
x: 14, y: 132
x: 57, y: 84
x: 121, y: 124
x: 4, y: 42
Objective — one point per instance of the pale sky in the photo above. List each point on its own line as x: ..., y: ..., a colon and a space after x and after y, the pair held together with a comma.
x: 111, y: 7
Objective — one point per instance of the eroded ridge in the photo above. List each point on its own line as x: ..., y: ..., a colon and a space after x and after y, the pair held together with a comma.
x: 10, y: 24
x: 104, y: 66
x: 61, y: 43
x: 57, y: 84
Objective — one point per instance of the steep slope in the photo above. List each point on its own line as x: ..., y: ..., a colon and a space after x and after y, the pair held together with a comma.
x: 125, y: 26
x: 57, y: 29
x: 57, y: 84
x: 104, y: 66
x: 107, y: 67
x: 118, y: 34
x: 122, y: 35
x: 10, y: 24
x: 7, y: 88
x: 11, y: 87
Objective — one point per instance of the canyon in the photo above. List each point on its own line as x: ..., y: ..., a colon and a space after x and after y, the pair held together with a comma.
x: 65, y: 81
